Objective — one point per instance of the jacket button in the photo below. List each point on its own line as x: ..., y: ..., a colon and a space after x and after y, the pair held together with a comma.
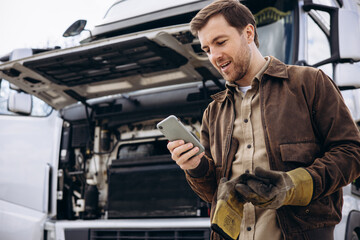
x: 246, y: 120
x: 249, y: 146
x: 307, y: 211
x: 248, y: 228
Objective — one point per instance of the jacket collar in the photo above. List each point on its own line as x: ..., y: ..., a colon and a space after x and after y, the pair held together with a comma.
x: 276, y: 69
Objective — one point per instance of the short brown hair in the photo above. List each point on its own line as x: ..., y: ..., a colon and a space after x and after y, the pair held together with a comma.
x: 235, y: 13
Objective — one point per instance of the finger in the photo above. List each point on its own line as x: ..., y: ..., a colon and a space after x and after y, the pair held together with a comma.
x: 243, y: 178
x: 179, y: 151
x: 263, y: 190
x: 223, y: 180
x: 186, y: 152
x: 269, y: 174
x: 174, y: 144
x: 247, y: 193
x: 192, y: 163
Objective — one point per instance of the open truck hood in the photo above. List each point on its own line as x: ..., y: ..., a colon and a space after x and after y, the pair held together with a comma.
x: 121, y: 64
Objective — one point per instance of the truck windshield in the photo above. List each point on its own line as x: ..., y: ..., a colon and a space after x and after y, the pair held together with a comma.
x: 276, y: 27
x: 275, y: 21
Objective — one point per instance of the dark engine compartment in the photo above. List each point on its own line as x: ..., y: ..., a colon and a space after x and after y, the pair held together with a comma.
x: 115, y: 163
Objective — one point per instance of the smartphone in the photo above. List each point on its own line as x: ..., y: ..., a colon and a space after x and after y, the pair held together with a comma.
x: 173, y: 129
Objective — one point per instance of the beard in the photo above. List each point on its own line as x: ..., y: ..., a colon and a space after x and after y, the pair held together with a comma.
x: 241, y: 63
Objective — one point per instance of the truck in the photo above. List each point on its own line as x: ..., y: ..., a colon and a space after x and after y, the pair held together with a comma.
x: 81, y: 157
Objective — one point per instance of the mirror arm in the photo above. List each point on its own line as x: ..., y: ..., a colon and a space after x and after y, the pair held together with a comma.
x: 89, y: 32
x: 332, y: 59
x: 309, y: 5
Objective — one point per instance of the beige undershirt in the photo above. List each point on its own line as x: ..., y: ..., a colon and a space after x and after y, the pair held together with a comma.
x: 257, y: 223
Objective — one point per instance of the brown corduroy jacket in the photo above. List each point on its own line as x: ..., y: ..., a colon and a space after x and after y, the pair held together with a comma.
x: 306, y: 124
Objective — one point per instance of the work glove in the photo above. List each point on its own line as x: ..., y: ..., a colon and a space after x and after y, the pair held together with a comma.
x: 229, y: 210
x: 273, y: 189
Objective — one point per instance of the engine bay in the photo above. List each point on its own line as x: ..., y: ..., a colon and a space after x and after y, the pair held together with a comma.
x: 114, y: 162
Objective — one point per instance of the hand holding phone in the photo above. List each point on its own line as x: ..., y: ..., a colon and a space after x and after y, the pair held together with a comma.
x: 173, y: 129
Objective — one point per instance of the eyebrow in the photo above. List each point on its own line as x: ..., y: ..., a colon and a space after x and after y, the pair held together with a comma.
x: 214, y: 40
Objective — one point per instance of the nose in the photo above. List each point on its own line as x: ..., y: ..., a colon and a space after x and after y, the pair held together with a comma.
x: 215, y: 55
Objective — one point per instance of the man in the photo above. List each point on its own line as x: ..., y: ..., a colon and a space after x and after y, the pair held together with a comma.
x: 280, y: 134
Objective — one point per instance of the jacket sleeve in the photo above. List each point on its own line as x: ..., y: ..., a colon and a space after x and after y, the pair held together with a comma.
x: 340, y: 163
x: 203, y: 179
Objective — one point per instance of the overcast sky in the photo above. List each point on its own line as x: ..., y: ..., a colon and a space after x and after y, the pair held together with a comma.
x: 41, y: 23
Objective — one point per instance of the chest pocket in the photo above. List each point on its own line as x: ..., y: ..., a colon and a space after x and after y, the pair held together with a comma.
x: 301, y: 153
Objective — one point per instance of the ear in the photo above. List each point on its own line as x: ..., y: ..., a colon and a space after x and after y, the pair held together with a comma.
x: 249, y: 33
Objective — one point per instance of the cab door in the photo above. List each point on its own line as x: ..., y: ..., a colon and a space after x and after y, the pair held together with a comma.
x: 29, y: 147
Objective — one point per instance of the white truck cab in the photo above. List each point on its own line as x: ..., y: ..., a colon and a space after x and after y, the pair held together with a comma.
x: 81, y: 157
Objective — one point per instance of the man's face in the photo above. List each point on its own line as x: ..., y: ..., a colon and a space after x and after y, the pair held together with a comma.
x: 226, y: 47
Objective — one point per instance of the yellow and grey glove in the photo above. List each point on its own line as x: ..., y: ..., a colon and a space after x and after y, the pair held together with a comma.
x: 273, y: 189
x: 229, y: 210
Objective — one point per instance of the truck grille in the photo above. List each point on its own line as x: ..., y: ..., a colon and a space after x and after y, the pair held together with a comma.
x: 173, y: 234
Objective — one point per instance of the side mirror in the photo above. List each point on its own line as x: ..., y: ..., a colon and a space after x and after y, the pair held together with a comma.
x: 349, y: 34
x: 20, y: 102
x: 344, y: 40
x: 346, y: 72
x: 347, y: 75
x: 344, y: 43
x: 75, y: 29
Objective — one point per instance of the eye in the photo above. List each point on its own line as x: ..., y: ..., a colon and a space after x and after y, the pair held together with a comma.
x: 221, y: 42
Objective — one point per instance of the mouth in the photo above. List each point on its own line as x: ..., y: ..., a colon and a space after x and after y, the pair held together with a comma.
x: 224, y: 65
